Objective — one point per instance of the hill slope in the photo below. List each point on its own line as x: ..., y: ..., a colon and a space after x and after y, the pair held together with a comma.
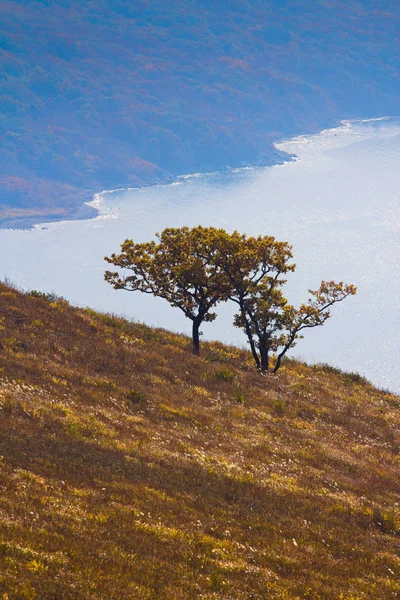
x: 131, y: 469
x: 102, y: 94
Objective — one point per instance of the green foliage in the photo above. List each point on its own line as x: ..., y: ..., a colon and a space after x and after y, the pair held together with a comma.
x: 224, y: 375
x: 48, y: 296
x: 279, y: 407
x: 386, y: 521
x: 356, y: 378
x: 239, y: 396
x: 136, y: 397
x: 349, y: 376
x: 105, y: 384
x: 74, y: 429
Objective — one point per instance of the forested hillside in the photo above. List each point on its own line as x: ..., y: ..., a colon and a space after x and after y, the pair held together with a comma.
x: 131, y: 469
x: 105, y: 93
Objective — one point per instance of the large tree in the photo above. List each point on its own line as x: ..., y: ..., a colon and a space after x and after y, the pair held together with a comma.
x: 180, y: 267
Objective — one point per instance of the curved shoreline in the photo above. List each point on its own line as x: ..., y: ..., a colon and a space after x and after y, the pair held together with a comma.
x: 345, y: 124
x: 92, y: 209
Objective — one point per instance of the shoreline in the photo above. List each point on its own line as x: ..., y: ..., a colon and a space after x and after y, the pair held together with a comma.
x: 90, y: 209
x: 95, y: 203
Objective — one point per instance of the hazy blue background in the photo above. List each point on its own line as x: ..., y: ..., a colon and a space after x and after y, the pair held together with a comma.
x: 110, y: 93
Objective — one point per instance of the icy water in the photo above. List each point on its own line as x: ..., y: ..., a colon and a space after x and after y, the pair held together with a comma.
x: 338, y: 203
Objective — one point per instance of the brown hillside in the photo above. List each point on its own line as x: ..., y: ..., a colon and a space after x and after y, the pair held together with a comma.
x: 132, y: 470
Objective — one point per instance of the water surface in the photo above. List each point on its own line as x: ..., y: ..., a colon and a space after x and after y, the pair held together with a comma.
x: 338, y: 204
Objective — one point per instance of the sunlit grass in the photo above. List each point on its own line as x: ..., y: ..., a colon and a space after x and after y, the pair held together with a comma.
x: 131, y: 469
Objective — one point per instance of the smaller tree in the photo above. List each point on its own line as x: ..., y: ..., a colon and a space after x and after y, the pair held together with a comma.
x: 313, y: 314
x: 273, y: 325
x: 256, y: 268
x: 179, y: 268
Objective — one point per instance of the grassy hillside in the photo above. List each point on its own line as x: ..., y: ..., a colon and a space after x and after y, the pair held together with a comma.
x: 106, y: 93
x: 132, y: 470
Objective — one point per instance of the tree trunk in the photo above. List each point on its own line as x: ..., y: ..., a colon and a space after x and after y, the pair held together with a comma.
x: 264, y: 360
x: 251, y: 342
x: 282, y: 354
x: 278, y: 363
x: 196, y: 336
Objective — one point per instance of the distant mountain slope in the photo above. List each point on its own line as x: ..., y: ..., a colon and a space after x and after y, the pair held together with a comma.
x: 132, y: 470
x: 105, y: 93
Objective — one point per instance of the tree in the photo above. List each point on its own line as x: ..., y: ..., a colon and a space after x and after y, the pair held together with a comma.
x: 181, y: 268
x: 195, y: 269
x: 256, y: 268
x: 313, y: 314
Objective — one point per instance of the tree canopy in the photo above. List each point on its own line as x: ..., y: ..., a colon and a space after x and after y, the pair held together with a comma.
x: 195, y: 269
x: 179, y: 268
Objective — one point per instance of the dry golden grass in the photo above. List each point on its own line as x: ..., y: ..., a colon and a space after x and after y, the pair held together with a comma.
x: 132, y: 470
